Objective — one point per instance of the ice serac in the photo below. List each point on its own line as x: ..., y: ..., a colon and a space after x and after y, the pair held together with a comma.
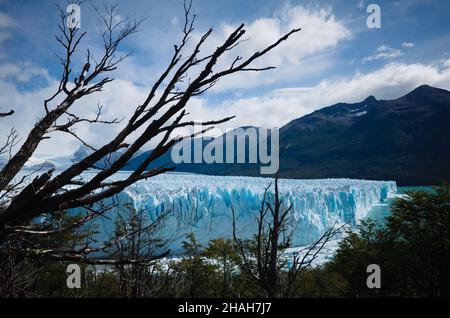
x: 202, y: 204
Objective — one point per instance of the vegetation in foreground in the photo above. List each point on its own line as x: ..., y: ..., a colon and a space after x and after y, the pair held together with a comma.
x: 412, y: 249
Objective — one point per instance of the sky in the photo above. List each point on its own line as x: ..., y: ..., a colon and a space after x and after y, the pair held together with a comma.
x: 334, y: 58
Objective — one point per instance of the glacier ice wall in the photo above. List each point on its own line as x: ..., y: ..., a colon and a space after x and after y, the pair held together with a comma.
x: 202, y: 204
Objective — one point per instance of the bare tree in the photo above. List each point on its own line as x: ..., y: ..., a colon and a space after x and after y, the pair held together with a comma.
x: 304, y: 258
x: 264, y: 257
x: 135, y: 237
x: 158, y: 116
x: 7, y: 113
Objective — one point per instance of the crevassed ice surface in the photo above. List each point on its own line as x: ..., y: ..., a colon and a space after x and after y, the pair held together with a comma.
x: 202, y: 204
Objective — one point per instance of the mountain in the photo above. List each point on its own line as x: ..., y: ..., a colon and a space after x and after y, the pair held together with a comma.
x: 43, y: 166
x: 406, y: 140
x: 213, y: 168
x: 84, y: 151
x: 63, y: 162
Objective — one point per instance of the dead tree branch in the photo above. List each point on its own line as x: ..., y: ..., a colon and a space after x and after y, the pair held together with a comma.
x: 160, y: 113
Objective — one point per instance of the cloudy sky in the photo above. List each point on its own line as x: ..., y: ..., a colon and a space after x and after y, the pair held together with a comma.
x: 335, y: 58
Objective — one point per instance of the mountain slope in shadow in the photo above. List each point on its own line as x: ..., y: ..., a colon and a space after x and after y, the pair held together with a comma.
x: 406, y: 140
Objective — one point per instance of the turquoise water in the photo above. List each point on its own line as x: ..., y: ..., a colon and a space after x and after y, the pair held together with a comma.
x: 379, y: 212
x: 415, y: 188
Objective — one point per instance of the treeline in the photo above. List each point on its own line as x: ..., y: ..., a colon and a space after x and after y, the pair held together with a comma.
x: 412, y: 248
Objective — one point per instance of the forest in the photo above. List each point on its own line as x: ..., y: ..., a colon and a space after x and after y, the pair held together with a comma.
x: 412, y: 248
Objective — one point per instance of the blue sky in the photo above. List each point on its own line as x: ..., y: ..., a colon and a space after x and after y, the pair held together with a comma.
x: 335, y: 58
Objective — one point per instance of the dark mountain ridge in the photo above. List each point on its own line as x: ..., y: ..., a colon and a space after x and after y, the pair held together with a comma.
x: 405, y: 139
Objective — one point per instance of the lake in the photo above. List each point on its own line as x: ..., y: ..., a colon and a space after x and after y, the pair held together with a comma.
x: 380, y: 211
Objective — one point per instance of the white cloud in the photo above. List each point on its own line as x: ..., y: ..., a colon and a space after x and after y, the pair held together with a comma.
x: 28, y: 107
x: 408, y: 44
x: 446, y: 63
x: 119, y: 99
x: 6, y: 21
x: 281, y: 106
x: 383, y: 52
x: 321, y: 32
x: 22, y: 72
x: 275, y: 108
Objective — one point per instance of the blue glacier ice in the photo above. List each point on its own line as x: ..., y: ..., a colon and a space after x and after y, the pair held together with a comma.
x: 202, y: 204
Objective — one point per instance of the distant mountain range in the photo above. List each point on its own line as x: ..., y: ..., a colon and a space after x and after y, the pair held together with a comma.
x: 406, y: 140
x: 63, y: 162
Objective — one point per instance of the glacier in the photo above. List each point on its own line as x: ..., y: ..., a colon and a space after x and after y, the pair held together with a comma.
x: 202, y: 204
